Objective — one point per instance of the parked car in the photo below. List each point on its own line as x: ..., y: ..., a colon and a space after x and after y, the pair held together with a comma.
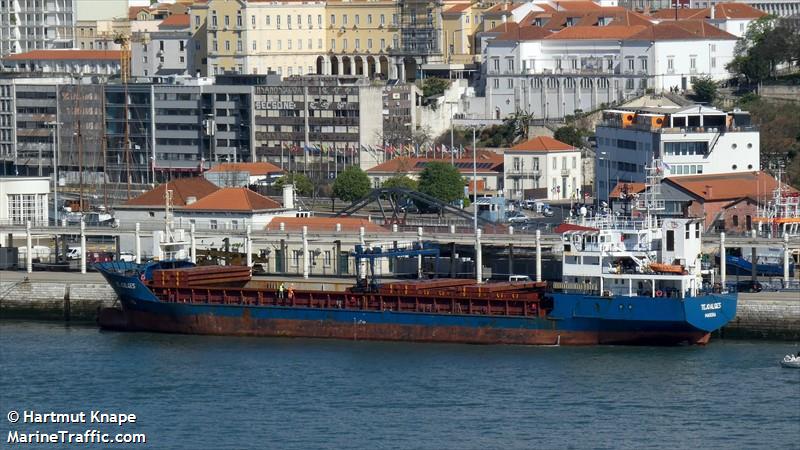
x: 127, y: 257
x: 548, y: 212
x: 517, y: 217
x: 749, y: 286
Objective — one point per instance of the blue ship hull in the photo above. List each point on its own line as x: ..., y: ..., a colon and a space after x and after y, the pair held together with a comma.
x: 741, y: 266
x: 574, y: 318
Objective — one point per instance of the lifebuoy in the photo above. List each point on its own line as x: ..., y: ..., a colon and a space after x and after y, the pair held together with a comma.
x: 142, y: 277
x: 659, y: 294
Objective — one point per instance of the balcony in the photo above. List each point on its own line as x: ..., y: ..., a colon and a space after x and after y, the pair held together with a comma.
x: 522, y: 172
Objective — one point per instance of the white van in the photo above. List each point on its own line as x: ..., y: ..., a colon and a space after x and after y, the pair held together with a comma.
x: 74, y: 253
x: 519, y: 278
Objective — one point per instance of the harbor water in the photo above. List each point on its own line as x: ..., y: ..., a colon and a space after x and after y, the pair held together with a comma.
x: 220, y: 392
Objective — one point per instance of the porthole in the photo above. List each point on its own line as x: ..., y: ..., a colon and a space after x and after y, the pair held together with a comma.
x: 749, y: 145
x: 734, y: 167
x: 749, y: 167
x: 733, y: 146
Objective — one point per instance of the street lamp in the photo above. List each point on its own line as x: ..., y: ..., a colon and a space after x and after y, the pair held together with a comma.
x: 54, y: 132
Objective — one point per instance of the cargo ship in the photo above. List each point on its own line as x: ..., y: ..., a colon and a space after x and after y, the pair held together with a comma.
x: 625, y: 281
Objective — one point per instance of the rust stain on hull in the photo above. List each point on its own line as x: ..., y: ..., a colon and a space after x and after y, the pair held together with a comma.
x: 248, y: 326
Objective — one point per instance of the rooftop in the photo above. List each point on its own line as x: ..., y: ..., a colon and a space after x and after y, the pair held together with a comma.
x: 182, y: 189
x: 542, y: 144
x: 486, y: 162
x: 234, y: 199
x: 722, y: 11
x: 728, y: 186
x: 175, y: 21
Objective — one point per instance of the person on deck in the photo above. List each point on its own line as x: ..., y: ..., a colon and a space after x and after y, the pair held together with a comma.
x: 280, y: 291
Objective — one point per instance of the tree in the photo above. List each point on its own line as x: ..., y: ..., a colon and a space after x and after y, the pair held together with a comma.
x: 401, y: 181
x: 768, y: 42
x: 568, y: 134
x: 705, y: 89
x: 442, y: 181
x: 434, y: 87
x: 302, y: 184
x: 351, y: 185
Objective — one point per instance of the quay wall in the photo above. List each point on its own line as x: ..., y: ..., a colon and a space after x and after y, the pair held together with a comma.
x: 766, y: 315
x: 762, y: 316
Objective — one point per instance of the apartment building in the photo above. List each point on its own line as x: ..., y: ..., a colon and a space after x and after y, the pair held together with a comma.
x: 163, y: 52
x: 27, y: 25
x: 595, y: 57
x: 74, y: 62
x: 690, y: 140
x: 360, y: 36
x: 543, y: 167
x: 318, y: 124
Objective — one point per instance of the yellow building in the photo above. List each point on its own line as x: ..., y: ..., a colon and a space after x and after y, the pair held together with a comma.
x: 224, y: 34
x: 198, y: 38
x: 284, y: 36
x: 360, y: 35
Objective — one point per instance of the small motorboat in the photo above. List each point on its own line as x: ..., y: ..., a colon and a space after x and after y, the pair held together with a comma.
x: 791, y: 362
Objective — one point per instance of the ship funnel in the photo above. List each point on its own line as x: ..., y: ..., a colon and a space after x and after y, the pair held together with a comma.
x: 288, y: 196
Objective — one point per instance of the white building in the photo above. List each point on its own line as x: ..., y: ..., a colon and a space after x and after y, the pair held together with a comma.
x: 23, y: 199
x: 163, y: 52
x: 542, y: 167
x: 74, y: 62
x: 688, y: 140
x: 27, y: 25
x: 553, y: 65
x: 488, y: 170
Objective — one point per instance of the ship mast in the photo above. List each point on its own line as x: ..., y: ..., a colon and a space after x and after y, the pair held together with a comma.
x: 80, y: 149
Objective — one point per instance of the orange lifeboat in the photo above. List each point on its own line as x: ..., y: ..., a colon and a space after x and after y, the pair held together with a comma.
x: 666, y: 268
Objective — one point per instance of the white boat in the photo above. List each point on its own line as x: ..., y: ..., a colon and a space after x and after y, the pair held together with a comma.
x: 791, y: 362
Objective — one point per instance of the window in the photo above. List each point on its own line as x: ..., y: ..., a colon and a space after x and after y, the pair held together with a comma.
x: 25, y: 207
x: 278, y: 22
x: 227, y: 21
x: 358, y: 43
x: 319, y: 20
x: 383, y: 44
x: 253, y: 20
x: 239, y: 46
x: 693, y: 62
x: 369, y: 19
x: 670, y: 63
x: 319, y: 43
x: 643, y: 64
x: 288, y: 21
x: 267, y: 20
x: 555, y: 163
x: 713, y: 62
x: 357, y: 19
x: 510, y: 83
x: 496, y: 64
x: 299, y: 44
x: 254, y: 45
x: 269, y: 45
x: 344, y: 44
x: 496, y: 83
x: 630, y: 64
x: 227, y: 46
x: 344, y: 19
x: 214, y: 45
x: 670, y: 240
x: 288, y: 44
x: 383, y: 20
x: 333, y: 44
x: 212, y: 224
x: 238, y: 20
x: 510, y: 64
x: 280, y: 45
x: 574, y: 162
x: 234, y: 224
x: 197, y: 21
x: 214, y: 21
x: 369, y: 44
x: 326, y: 258
x: 333, y: 19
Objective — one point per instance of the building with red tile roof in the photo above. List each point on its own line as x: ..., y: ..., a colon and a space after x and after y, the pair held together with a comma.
x: 74, y: 62
x: 543, y: 167
x: 233, y: 199
x: 489, y: 169
x: 184, y: 191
